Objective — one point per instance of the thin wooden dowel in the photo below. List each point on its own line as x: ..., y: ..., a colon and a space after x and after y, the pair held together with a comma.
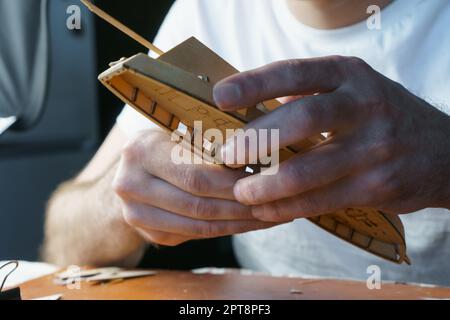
x: 119, y: 25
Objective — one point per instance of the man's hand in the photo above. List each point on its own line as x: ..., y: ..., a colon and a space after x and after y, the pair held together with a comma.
x: 169, y: 204
x: 387, y: 149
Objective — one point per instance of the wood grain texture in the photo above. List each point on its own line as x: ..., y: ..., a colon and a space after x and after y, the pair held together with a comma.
x: 177, y: 285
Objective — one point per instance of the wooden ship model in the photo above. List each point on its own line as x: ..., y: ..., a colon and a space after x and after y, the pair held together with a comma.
x: 177, y: 88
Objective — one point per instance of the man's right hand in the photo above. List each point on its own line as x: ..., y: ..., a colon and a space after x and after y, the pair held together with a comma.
x: 169, y: 203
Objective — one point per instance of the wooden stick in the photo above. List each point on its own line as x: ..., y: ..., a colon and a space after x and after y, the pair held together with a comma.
x: 102, y: 14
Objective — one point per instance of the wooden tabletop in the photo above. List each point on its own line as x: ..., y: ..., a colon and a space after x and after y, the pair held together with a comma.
x: 178, y: 285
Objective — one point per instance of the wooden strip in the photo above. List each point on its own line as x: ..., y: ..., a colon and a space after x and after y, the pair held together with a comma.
x: 119, y: 25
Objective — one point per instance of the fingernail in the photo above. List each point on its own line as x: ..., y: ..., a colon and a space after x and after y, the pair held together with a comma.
x: 227, y: 95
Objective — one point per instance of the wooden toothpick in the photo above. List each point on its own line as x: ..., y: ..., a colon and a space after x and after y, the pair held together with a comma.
x: 102, y: 14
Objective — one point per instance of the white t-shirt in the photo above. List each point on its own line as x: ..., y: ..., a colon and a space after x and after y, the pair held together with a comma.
x: 412, y: 47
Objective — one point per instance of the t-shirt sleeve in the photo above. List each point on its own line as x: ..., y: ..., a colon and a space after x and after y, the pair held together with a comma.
x: 179, y: 25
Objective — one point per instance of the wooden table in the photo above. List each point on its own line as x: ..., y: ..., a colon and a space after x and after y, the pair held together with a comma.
x: 175, y: 285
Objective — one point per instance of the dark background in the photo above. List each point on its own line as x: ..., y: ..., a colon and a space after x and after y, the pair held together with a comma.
x: 78, y: 115
x: 142, y: 16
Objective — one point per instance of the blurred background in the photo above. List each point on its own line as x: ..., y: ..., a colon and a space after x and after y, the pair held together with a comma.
x: 77, y: 115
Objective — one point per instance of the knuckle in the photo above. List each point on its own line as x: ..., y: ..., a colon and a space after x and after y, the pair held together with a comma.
x: 354, y: 68
x: 192, y: 207
x: 195, y: 181
x: 128, y: 183
x: 341, y: 64
x: 289, y: 65
x: 337, y: 62
x: 337, y: 59
x: 150, y: 141
x: 209, y: 230
x: 144, y: 142
x: 122, y: 186
x: 356, y: 63
x: 202, y: 209
x: 131, y: 216
x: 132, y: 150
x: 384, y: 182
x: 150, y: 136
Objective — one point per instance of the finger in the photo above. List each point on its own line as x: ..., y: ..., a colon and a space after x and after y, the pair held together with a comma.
x: 304, y: 172
x: 158, y: 193
x: 151, y: 218
x: 350, y: 192
x: 163, y: 238
x: 279, y: 79
x: 206, y: 180
x: 294, y: 122
x: 340, y: 195
x: 340, y: 156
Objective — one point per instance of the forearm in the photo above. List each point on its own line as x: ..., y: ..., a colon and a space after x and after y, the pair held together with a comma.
x: 84, y: 226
